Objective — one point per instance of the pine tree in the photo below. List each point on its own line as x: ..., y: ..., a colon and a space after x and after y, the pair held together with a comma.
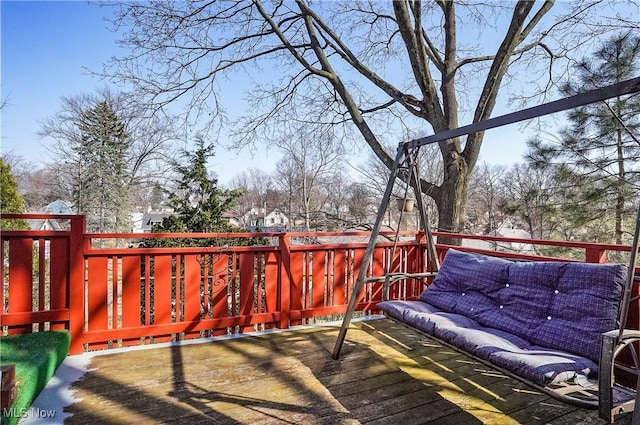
x: 101, y: 184
x: 599, y: 152
x: 197, y: 201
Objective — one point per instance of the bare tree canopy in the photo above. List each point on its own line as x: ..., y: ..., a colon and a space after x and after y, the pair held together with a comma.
x: 378, y: 71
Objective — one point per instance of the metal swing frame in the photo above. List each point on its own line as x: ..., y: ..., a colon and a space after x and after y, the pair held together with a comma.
x: 618, y: 342
x: 613, y: 342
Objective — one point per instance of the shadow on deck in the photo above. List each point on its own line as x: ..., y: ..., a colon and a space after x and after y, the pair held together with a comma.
x: 387, y: 374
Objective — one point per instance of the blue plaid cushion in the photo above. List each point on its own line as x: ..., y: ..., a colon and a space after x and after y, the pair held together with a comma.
x: 541, y: 365
x: 442, y: 320
x: 463, y: 274
x: 523, y: 301
x: 481, y: 341
x: 396, y: 308
x: 583, y: 305
x: 496, y: 308
x: 447, y: 326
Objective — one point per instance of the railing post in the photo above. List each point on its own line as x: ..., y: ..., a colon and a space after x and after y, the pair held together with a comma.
x: 595, y: 254
x: 76, y: 284
x: 20, y: 279
x: 285, y: 279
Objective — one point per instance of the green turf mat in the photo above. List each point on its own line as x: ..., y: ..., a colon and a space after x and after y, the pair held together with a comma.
x: 36, y: 356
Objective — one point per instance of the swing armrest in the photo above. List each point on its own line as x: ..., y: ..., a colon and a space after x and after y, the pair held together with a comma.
x: 391, y: 278
x: 608, y: 406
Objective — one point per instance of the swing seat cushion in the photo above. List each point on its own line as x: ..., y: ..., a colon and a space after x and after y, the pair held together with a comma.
x: 542, y: 320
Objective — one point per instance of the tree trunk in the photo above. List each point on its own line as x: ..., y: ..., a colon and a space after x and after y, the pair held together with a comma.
x: 451, y: 196
x: 620, y: 196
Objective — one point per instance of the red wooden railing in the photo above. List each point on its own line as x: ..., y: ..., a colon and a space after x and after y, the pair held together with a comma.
x: 109, y: 296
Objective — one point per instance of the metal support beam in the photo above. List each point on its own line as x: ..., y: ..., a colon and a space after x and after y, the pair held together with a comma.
x: 362, y: 274
x: 619, y: 89
x: 432, y: 255
x: 626, y: 298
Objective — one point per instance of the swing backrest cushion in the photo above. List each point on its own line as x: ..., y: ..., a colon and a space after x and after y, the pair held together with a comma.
x: 560, y: 305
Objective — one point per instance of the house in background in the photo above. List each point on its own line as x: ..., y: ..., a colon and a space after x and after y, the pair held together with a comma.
x: 151, y: 218
x: 233, y: 217
x: 256, y: 219
x: 136, y: 222
x: 58, y: 207
x: 276, y: 218
x: 253, y: 218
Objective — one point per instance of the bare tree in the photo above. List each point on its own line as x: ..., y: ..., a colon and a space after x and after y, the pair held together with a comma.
x: 486, y: 193
x: 19, y: 166
x: 371, y: 68
x: 286, y: 179
x: 534, y: 198
x: 334, y: 189
x: 32, y: 183
x: 255, y: 183
x: 359, y: 201
x: 313, y: 156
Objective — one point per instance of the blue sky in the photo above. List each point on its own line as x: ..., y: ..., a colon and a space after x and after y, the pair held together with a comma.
x: 46, y: 47
x: 48, y: 50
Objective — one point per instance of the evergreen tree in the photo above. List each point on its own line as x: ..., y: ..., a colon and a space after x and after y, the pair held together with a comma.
x: 197, y: 201
x: 11, y: 201
x: 95, y: 172
x: 103, y: 148
x: 599, y: 153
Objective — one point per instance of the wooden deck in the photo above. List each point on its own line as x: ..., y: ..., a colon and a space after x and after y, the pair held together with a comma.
x: 387, y: 374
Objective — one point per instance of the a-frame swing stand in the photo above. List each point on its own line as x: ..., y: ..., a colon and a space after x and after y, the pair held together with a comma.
x: 406, y: 156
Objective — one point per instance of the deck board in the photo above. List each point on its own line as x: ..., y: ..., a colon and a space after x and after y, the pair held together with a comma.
x: 386, y: 374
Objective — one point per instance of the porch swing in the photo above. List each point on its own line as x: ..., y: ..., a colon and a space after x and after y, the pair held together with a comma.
x: 599, y: 348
